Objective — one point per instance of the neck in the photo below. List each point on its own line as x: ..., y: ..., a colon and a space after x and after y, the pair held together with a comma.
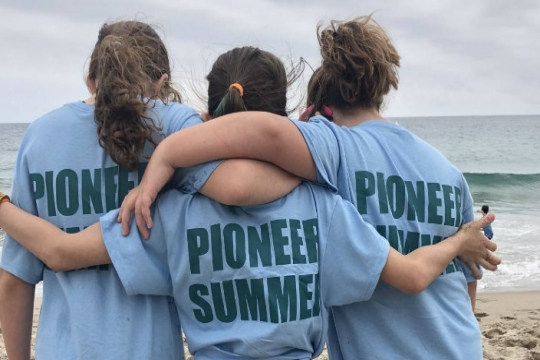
x: 91, y: 100
x: 350, y: 118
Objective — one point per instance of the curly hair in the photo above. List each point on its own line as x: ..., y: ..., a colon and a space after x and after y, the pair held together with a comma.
x: 128, y: 58
x: 359, y: 65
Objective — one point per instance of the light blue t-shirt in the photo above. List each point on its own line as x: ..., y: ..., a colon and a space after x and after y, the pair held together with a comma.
x: 63, y: 176
x: 252, y: 282
x: 413, y: 196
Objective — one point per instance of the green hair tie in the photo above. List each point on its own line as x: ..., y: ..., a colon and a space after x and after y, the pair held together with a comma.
x: 220, y: 108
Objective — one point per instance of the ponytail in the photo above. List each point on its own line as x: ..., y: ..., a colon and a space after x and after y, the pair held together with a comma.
x: 247, y: 79
x: 232, y: 101
x: 127, y: 61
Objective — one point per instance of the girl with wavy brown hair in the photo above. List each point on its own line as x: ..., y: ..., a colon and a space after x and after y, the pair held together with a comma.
x: 75, y: 164
x: 399, y: 184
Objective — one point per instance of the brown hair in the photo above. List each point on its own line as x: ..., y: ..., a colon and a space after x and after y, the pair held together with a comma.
x: 359, y: 66
x: 128, y: 58
x: 262, y: 76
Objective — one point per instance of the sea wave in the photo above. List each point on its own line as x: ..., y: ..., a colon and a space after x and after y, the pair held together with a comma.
x: 502, y: 179
x: 523, y: 189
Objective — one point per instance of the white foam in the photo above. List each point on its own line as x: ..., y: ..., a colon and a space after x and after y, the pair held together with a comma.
x: 519, y: 275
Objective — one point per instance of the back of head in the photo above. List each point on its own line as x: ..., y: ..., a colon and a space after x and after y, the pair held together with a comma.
x: 261, y: 77
x: 485, y: 209
x: 128, y: 59
x: 359, y: 66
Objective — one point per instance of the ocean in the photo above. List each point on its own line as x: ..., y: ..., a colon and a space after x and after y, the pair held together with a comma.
x: 497, y: 154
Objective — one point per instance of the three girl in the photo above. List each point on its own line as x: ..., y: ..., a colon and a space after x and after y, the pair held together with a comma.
x: 255, y: 281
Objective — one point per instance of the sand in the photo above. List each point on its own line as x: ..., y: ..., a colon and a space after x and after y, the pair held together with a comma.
x: 510, y: 325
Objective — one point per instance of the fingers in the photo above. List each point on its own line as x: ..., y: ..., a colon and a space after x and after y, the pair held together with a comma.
x: 125, y: 216
x: 143, y: 218
x: 148, y: 218
x: 477, y: 274
x: 141, y: 224
x: 487, y: 265
x: 490, y: 245
x: 490, y: 261
x: 484, y: 221
x: 493, y: 259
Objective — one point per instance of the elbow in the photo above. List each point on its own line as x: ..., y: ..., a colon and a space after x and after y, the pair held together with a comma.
x: 415, y: 283
x: 414, y: 287
x: 235, y: 190
x: 237, y: 195
x: 56, y: 258
x: 271, y: 137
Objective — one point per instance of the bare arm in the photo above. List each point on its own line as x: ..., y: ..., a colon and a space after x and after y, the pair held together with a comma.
x: 16, y: 315
x: 471, y: 289
x: 59, y: 250
x: 254, y: 135
x: 412, y: 273
x: 244, y: 182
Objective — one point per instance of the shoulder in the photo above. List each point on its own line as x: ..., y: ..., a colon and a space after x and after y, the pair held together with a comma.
x: 60, y: 119
x: 175, y: 116
x: 171, y: 108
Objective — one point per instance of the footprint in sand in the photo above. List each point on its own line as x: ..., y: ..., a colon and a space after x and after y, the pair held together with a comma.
x: 524, y: 343
x: 529, y: 344
x: 534, y: 355
x: 508, y: 318
x: 490, y: 334
x: 534, y: 332
x: 481, y: 314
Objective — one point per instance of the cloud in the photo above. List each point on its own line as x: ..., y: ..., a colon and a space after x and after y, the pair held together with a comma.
x: 458, y: 57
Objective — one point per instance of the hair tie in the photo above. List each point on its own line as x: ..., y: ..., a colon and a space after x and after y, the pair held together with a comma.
x: 238, y: 87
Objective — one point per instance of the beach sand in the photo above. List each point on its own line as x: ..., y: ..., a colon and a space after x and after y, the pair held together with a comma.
x: 510, y: 325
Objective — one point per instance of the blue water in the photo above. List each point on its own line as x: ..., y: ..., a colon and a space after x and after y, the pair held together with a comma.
x: 497, y: 154
x: 499, y: 158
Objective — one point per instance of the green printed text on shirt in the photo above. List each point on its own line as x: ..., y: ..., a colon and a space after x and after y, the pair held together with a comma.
x: 284, y: 247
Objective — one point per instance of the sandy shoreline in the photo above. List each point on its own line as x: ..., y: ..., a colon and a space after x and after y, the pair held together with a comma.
x: 509, y: 321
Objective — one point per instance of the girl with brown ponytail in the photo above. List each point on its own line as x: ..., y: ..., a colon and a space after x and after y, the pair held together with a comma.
x: 131, y: 64
x: 399, y: 184
x: 77, y: 163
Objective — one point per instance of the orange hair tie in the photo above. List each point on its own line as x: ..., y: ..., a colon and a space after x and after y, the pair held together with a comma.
x: 238, y: 87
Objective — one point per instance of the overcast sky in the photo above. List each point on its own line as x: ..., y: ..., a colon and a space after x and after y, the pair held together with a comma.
x: 459, y: 57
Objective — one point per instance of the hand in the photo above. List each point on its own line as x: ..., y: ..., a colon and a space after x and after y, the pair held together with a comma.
x: 139, y: 199
x: 156, y: 175
x: 476, y: 248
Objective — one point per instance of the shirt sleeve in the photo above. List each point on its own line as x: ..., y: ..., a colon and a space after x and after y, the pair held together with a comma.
x: 141, y: 264
x: 188, y: 180
x: 191, y: 179
x: 353, y: 258
x: 321, y: 139
x: 15, y: 258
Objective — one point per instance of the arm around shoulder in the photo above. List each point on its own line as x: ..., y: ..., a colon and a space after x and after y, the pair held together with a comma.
x: 254, y: 135
x: 58, y: 250
x: 244, y: 182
